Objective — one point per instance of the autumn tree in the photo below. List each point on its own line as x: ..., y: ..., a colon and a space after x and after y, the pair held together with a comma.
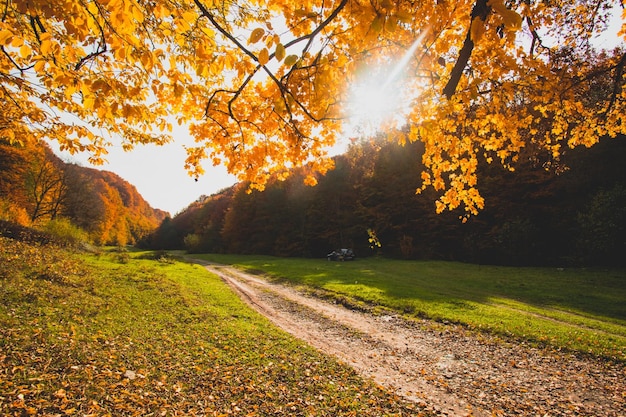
x: 46, y: 187
x: 83, y: 205
x: 13, y: 198
x: 265, y: 85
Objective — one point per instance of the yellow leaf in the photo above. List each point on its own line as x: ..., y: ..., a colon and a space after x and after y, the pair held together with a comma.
x: 5, y: 36
x: 40, y: 66
x: 137, y: 14
x: 310, y: 180
x: 256, y: 35
x: 391, y: 24
x: 25, y: 51
x: 377, y: 25
x: 190, y: 16
x: 280, y: 52
x: 264, y: 56
x: 147, y: 60
x: 88, y: 102
x: 477, y: 30
x: 279, y: 106
x: 290, y: 60
x: 270, y: 40
x: 404, y: 17
x: 17, y: 41
x: 509, y: 17
x: 46, y: 47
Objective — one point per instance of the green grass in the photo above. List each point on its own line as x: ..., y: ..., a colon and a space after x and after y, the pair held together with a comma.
x: 117, y: 334
x: 582, y: 310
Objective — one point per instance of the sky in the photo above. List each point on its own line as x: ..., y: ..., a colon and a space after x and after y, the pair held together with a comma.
x: 159, y: 175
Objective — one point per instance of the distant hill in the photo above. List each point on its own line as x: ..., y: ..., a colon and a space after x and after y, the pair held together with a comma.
x: 36, y: 186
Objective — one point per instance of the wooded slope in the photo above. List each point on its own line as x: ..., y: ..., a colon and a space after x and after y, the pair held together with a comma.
x: 37, y: 187
x: 547, y: 212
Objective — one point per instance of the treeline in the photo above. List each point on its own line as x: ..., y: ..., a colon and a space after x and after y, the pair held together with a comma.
x: 567, y: 212
x: 37, y: 188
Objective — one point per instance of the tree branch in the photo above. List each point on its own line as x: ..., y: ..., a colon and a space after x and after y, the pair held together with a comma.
x: 617, y: 83
x: 102, y: 48
x: 284, y: 90
x: 480, y: 11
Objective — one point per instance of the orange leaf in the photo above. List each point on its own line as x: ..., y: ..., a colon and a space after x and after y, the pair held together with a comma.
x: 280, y: 52
x: 264, y: 56
x: 256, y: 35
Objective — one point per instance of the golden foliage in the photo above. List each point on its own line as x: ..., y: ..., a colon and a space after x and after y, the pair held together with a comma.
x: 83, y: 72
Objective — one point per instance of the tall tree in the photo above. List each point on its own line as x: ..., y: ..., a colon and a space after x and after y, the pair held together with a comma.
x: 46, y: 187
x: 84, y: 206
x: 264, y: 84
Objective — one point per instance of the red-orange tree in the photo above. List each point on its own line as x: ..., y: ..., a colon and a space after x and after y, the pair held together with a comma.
x: 262, y: 84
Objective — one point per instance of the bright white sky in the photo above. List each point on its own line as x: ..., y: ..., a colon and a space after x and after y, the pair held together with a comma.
x: 158, y: 171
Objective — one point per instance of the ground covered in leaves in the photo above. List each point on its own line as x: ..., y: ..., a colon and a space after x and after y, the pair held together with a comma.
x: 113, y: 335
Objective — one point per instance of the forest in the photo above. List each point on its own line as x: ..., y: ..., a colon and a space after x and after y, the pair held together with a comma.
x: 569, y: 211
x: 561, y: 212
x: 502, y: 153
x: 38, y: 189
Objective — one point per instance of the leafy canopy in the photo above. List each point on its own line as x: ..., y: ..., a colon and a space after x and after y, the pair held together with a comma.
x: 263, y: 84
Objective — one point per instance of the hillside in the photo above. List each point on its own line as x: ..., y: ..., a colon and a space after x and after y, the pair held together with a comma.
x: 36, y: 187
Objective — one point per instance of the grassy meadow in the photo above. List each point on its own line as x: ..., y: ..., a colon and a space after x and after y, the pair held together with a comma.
x: 581, y: 310
x: 127, y: 333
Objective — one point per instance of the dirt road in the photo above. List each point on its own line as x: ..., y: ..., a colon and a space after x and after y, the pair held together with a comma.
x: 452, y: 371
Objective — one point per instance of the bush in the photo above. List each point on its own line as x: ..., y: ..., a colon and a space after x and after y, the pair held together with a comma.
x: 160, y: 255
x: 192, y: 243
x: 63, y: 231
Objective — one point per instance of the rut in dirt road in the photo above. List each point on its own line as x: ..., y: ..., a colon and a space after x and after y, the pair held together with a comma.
x: 451, y: 371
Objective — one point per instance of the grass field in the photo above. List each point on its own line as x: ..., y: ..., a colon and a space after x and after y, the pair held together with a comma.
x: 582, y: 310
x: 116, y: 334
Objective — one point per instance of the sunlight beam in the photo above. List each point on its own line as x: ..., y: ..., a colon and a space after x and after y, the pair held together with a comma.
x: 405, y: 60
x: 377, y: 97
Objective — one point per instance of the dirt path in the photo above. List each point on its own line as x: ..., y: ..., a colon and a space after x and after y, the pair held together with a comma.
x: 450, y: 371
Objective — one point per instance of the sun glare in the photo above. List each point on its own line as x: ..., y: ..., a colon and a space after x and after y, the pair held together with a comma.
x: 372, y: 102
x: 380, y: 97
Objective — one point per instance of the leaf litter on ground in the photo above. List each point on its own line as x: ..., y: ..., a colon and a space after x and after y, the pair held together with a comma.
x: 103, y: 335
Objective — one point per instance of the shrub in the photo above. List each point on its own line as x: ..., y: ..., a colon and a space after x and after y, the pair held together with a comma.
x: 192, y: 243
x: 65, y: 232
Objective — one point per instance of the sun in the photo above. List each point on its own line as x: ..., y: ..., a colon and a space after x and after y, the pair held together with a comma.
x: 380, y: 97
x: 373, y: 102
x: 376, y: 104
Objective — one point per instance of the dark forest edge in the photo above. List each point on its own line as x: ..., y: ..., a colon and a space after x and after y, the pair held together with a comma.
x: 566, y: 212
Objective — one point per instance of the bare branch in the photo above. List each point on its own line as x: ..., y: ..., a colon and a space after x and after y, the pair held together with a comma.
x: 617, y: 83
x: 284, y: 90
